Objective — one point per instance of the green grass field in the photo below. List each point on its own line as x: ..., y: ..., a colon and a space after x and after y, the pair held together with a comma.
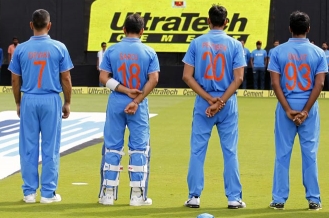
x: 170, y: 136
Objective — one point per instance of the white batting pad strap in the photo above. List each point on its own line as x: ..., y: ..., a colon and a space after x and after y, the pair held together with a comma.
x: 146, y: 152
x: 112, y: 84
x: 137, y: 184
x: 115, y: 151
x: 142, y: 169
x: 108, y: 182
x: 110, y: 167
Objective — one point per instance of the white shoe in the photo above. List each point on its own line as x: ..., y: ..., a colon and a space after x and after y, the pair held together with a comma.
x: 236, y: 204
x: 30, y: 198
x: 193, y: 202
x: 139, y: 201
x: 56, y: 198
x: 107, y: 198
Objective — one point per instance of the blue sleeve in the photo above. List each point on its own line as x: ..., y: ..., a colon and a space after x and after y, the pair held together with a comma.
x: 189, y: 57
x: 106, y: 62
x: 322, y: 65
x: 269, y: 53
x: 274, y: 63
x: 65, y: 64
x: 252, y: 54
x: 154, y: 64
x: 239, y: 59
x: 14, y: 65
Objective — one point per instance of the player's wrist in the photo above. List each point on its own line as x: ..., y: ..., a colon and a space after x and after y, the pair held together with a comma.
x: 136, y: 102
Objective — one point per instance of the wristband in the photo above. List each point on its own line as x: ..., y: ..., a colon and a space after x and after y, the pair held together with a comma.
x: 112, y: 84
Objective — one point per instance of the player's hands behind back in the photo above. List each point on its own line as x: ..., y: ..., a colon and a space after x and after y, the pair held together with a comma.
x: 133, y: 93
x: 215, y: 108
x: 131, y: 108
x: 66, y: 110
x: 297, y: 117
x: 300, y: 118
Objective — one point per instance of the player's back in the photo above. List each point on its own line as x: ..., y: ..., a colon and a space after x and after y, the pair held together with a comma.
x: 298, y: 61
x: 41, y: 60
x: 131, y: 62
x: 216, y: 57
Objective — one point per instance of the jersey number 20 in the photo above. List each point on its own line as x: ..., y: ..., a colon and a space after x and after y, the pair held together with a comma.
x: 212, y: 65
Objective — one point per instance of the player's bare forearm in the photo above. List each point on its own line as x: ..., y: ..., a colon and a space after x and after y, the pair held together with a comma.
x: 238, y: 79
x: 105, y: 76
x: 275, y: 79
x: 149, y: 86
x: 67, y: 86
x: 318, y: 86
x: 16, y: 85
x: 194, y: 85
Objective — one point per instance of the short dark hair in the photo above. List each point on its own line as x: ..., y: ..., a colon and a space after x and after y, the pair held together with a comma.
x: 40, y: 19
x: 15, y: 37
x: 217, y: 15
x: 134, y: 23
x: 325, y: 43
x: 259, y: 42
x: 241, y: 40
x: 299, y: 22
x: 103, y: 43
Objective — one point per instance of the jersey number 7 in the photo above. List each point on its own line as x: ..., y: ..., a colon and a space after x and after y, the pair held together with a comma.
x: 43, y: 64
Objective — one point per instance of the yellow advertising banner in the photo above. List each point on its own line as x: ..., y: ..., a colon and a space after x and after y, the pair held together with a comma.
x: 170, y: 92
x: 171, y: 25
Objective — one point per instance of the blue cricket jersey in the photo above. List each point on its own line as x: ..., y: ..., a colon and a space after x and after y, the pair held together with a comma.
x: 270, y: 52
x: 298, y: 62
x: 39, y: 61
x: 327, y: 55
x: 259, y: 57
x: 131, y: 62
x: 246, y: 55
x: 214, y: 56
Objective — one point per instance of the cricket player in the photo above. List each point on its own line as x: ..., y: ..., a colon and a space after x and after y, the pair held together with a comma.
x: 298, y: 70
x: 43, y: 66
x: 135, y: 69
x: 214, y: 68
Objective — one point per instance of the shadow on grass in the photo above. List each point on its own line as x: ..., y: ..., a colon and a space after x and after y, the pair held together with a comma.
x: 124, y: 210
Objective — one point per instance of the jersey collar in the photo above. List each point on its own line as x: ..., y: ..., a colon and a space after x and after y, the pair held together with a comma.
x: 217, y: 32
x: 46, y: 36
x: 299, y: 40
x: 131, y: 39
